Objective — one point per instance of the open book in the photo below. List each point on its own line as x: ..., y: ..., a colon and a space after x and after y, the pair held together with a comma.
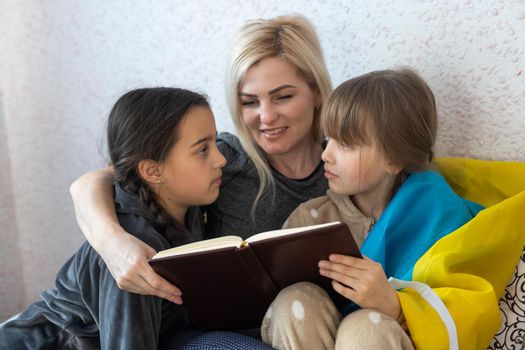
x: 228, y: 283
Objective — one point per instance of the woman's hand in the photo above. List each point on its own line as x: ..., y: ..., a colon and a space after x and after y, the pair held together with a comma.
x: 127, y: 259
x: 363, y: 281
x: 125, y: 255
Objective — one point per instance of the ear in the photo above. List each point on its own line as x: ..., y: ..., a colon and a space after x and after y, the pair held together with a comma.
x: 318, y: 99
x: 150, y: 171
x: 393, y: 169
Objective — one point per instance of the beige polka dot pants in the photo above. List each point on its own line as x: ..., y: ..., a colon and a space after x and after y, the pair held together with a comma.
x: 303, y: 316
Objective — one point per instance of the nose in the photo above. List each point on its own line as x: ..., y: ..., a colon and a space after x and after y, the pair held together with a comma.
x: 220, y: 160
x: 267, y: 113
x: 326, y: 156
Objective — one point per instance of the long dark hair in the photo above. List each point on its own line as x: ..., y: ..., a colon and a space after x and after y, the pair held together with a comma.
x: 144, y: 124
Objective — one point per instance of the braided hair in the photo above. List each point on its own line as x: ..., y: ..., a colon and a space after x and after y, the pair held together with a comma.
x: 144, y: 124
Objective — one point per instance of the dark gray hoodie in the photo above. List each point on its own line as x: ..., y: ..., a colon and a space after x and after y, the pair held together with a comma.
x: 87, y: 310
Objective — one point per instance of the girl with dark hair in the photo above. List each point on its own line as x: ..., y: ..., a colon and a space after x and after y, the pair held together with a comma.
x: 162, y: 145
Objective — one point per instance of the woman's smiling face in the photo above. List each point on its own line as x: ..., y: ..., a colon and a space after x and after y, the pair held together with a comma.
x: 277, y: 106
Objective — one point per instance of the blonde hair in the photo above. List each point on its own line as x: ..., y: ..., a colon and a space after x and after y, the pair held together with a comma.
x: 395, y: 109
x: 292, y: 38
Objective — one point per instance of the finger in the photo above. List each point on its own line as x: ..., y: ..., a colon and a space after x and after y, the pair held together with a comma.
x: 352, y: 293
x: 366, y: 258
x: 161, y: 287
x: 324, y: 264
x: 147, y: 282
x: 341, y: 268
x: 362, y: 267
x: 337, y: 276
x: 347, y: 260
x: 330, y: 265
x: 161, y: 294
x: 141, y: 286
x: 134, y: 284
x: 149, y: 251
x: 345, y: 290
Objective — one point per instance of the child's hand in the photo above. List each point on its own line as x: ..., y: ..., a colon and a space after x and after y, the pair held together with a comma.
x: 363, y: 281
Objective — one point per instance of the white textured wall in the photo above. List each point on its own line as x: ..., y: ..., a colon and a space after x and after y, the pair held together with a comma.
x: 11, y: 285
x: 63, y: 63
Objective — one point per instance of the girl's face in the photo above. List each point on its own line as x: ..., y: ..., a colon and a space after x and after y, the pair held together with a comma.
x: 191, y: 173
x: 359, y: 171
x: 277, y: 106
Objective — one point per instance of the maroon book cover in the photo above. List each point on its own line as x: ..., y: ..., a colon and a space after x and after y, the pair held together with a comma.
x: 231, y: 288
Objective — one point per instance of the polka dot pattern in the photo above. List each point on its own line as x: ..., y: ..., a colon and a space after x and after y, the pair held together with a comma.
x: 374, y: 317
x: 298, y: 310
x: 268, y: 313
x: 198, y: 340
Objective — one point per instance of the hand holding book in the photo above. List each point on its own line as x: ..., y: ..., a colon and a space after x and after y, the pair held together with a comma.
x: 228, y: 283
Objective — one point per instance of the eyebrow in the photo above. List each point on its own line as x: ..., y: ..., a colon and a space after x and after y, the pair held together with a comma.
x: 271, y: 92
x: 204, y: 139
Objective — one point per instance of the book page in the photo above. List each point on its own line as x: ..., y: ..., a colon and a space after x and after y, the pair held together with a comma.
x: 286, y: 231
x: 201, y: 246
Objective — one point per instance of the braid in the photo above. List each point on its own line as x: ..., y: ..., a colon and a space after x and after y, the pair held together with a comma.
x: 147, y: 198
x: 143, y: 124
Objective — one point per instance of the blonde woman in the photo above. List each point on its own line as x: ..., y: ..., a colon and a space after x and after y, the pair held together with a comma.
x: 277, y: 81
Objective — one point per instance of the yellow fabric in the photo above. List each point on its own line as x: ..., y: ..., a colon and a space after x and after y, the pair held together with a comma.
x: 481, y: 181
x: 469, y: 268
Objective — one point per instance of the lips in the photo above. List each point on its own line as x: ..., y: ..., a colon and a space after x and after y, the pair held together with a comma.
x: 217, y: 181
x: 274, y: 132
x: 329, y: 175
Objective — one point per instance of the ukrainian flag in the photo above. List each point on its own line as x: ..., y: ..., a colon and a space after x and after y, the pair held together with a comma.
x: 469, y: 268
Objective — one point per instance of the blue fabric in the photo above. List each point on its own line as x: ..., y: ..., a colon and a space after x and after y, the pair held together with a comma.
x: 423, y: 210
x: 216, y: 340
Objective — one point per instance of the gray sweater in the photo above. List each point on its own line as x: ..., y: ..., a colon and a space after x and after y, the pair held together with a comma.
x: 230, y: 214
